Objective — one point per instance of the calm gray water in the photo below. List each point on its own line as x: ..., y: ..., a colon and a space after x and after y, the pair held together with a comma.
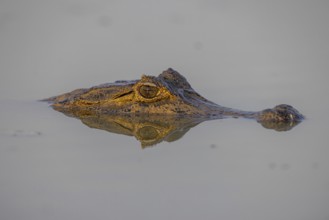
x: 248, y: 55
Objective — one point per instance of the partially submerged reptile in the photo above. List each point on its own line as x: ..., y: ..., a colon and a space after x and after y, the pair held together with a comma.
x: 167, y: 94
x: 155, y: 109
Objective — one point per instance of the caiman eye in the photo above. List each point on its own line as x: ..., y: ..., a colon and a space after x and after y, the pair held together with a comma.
x: 148, y: 91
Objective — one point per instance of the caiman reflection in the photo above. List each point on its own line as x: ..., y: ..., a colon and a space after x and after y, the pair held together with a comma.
x: 160, y: 108
x: 149, y: 130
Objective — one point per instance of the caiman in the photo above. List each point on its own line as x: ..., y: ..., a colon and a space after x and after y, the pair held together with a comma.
x: 167, y: 94
x: 155, y: 109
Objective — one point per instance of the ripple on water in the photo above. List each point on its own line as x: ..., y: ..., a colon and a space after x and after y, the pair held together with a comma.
x: 20, y: 133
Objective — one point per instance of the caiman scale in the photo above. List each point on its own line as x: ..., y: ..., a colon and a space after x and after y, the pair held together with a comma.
x: 167, y: 94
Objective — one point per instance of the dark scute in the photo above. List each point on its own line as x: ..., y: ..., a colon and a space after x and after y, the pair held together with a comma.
x: 172, y: 77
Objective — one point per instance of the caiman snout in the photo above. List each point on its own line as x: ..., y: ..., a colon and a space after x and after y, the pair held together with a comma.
x: 281, y: 113
x: 280, y: 118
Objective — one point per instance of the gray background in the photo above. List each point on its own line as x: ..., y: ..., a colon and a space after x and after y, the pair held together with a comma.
x: 244, y: 54
x: 49, y: 47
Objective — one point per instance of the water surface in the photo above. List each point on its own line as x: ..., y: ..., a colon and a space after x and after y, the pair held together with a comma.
x: 248, y: 56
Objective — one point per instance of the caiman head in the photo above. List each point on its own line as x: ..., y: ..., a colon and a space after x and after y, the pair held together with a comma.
x: 167, y: 94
